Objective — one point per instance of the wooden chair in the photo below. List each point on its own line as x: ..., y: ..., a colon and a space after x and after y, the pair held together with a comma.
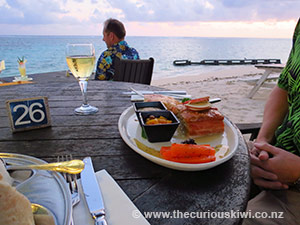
x: 249, y: 128
x: 135, y: 71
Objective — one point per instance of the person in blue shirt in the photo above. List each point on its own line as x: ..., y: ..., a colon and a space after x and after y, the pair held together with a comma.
x: 113, y: 35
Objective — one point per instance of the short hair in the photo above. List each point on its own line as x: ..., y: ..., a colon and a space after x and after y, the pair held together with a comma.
x: 115, y: 26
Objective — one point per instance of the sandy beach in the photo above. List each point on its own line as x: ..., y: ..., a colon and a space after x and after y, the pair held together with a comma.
x: 232, y: 86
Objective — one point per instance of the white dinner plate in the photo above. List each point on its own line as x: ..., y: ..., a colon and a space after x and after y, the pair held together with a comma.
x: 130, y: 130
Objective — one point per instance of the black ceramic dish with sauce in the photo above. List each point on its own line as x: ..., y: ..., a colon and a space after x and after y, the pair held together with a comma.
x: 159, y: 132
x: 139, y: 106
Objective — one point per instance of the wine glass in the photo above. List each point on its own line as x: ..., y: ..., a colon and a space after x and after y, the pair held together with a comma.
x: 81, y: 62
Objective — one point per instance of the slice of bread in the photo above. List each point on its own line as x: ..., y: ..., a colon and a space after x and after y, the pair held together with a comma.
x: 15, y: 208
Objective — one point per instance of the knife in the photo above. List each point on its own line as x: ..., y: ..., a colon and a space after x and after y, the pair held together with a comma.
x: 92, y: 192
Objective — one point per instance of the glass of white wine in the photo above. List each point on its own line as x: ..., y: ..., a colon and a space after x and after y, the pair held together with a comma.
x: 81, y: 62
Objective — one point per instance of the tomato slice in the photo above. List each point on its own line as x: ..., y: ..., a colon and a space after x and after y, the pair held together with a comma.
x: 202, y: 107
x: 197, y: 100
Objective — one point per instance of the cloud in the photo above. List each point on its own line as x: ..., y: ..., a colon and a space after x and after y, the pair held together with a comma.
x: 30, y: 12
x: 236, y: 3
x: 207, y: 10
x: 38, y: 12
x: 164, y: 11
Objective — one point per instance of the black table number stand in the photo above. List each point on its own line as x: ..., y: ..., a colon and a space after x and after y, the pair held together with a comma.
x: 28, y: 113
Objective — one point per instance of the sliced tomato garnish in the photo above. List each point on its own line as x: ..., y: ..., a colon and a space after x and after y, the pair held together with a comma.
x: 197, y: 100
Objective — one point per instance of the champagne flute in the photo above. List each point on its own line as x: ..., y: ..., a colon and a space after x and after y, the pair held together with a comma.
x: 81, y: 62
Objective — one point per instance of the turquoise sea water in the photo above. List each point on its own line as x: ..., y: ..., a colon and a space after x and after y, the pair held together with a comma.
x: 47, y: 53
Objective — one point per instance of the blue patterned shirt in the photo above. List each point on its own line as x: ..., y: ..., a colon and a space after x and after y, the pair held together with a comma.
x: 105, y: 65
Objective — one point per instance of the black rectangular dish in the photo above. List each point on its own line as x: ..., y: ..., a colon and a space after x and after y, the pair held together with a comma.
x: 159, y: 132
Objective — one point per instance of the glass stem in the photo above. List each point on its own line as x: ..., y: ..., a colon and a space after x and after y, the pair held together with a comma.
x: 83, y: 88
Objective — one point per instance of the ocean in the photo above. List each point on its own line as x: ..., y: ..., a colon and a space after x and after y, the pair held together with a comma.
x: 47, y: 53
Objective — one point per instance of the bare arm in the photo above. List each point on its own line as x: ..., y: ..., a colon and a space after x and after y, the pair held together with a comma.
x: 276, y: 109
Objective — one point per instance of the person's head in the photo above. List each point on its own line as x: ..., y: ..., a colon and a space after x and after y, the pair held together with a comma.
x: 113, y: 32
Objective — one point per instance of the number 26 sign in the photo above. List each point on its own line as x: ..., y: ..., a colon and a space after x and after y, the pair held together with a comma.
x: 28, y: 113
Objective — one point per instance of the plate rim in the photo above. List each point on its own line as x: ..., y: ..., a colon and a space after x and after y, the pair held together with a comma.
x: 170, y: 164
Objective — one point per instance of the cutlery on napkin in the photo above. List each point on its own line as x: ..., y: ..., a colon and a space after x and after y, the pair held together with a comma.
x: 92, y: 192
x: 119, y: 209
x: 139, y: 95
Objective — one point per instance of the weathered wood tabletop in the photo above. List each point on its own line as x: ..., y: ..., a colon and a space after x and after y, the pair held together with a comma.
x: 151, y: 187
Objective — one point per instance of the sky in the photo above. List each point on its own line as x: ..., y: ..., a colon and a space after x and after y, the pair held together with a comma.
x: 187, y: 18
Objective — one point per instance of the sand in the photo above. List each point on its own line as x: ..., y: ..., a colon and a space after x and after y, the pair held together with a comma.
x: 232, y: 86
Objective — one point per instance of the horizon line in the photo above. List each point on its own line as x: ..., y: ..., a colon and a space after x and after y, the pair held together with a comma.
x: 79, y: 35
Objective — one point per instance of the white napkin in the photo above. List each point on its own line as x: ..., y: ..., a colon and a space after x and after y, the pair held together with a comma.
x: 137, y: 98
x: 119, y: 208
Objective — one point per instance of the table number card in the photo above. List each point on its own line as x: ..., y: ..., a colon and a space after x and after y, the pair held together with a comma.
x: 28, y: 113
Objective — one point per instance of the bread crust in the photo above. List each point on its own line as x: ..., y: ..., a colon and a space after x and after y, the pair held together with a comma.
x: 15, y: 208
x: 4, y: 175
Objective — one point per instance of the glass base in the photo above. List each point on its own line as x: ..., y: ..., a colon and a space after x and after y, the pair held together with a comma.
x: 22, y: 79
x: 86, y: 110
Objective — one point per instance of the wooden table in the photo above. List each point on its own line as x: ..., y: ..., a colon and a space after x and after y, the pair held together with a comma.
x: 151, y: 187
x: 269, y: 68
